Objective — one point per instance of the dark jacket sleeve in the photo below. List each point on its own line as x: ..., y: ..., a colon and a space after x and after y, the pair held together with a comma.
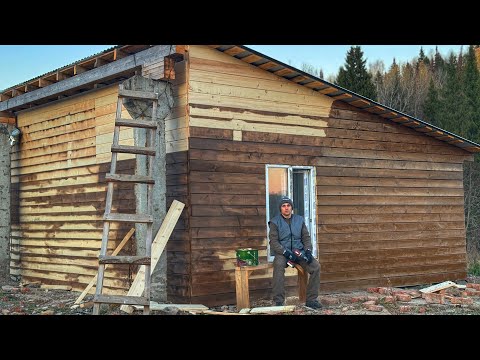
x: 307, y: 241
x: 275, y: 245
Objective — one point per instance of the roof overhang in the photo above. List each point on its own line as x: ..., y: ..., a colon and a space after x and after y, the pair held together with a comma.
x: 336, y: 92
x: 90, y: 73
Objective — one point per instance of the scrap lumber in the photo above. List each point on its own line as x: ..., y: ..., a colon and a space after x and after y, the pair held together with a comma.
x: 185, y: 307
x: 158, y: 245
x: 115, y: 252
x: 56, y: 287
x: 272, y: 309
x: 437, y: 287
x: 212, y: 312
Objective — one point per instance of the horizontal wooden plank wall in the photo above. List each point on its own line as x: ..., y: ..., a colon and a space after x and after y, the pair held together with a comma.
x: 389, y: 199
x: 58, y: 187
x: 58, y: 177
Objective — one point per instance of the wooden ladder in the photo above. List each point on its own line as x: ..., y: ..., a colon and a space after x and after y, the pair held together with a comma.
x: 109, y: 217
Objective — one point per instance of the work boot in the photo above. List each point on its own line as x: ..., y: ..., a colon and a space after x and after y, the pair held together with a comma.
x: 314, y: 304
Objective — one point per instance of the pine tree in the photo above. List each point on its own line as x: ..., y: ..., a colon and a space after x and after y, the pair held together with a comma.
x: 354, y: 75
x: 471, y: 89
x: 431, y: 105
x: 438, y: 62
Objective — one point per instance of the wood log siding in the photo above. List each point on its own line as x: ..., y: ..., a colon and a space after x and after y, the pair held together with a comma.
x: 389, y: 199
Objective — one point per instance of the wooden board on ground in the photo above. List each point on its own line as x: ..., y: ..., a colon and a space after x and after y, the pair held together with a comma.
x: 184, y: 307
x: 437, y: 287
x: 158, y: 245
x: 272, y: 309
x: 56, y: 287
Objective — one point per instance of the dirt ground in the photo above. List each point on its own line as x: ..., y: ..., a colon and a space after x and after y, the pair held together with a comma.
x: 30, y: 299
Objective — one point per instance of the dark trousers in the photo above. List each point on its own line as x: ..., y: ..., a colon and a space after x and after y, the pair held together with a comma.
x: 313, y: 286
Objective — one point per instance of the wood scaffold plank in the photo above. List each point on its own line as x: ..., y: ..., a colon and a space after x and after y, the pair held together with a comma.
x: 158, y: 245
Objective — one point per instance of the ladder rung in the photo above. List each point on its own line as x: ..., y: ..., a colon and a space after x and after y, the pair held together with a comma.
x: 137, y: 260
x: 133, y: 150
x: 134, y: 218
x: 136, y: 123
x: 129, y: 178
x: 125, y: 300
x: 144, y: 95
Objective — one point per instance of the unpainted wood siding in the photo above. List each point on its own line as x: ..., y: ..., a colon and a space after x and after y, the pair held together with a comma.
x: 59, y: 188
x: 389, y: 199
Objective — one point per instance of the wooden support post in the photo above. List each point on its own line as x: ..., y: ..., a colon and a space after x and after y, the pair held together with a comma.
x: 302, y: 283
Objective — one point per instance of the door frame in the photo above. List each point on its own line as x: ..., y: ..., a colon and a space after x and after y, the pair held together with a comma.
x: 313, y: 201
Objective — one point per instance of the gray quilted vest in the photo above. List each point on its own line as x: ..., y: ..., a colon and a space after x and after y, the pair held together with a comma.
x: 289, y: 235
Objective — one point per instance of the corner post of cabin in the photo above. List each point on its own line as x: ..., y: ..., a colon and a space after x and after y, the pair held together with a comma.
x: 6, y: 126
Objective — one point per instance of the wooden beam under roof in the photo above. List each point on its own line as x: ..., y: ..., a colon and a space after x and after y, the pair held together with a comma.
x: 78, y: 69
x: 342, y: 96
x: 4, y: 97
x: 251, y: 58
x: 16, y: 92
x: 61, y: 76
x: 327, y: 90
x: 267, y: 65
x: 424, y: 129
x: 389, y: 115
x: 375, y: 109
x: 43, y: 82
x: 119, y: 54
x: 401, y: 119
x: 360, y: 102
x: 282, y: 72
x: 99, y: 62
x: 234, y: 51
x: 298, y: 78
x: 314, y: 84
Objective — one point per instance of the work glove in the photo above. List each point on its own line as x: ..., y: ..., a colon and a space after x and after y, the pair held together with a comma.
x: 290, y: 255
x: 308, y: 254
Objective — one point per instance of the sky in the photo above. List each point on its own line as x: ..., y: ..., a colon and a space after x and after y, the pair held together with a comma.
x: 19, y: 63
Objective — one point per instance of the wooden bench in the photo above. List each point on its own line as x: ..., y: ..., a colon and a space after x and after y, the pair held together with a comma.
x: 242, y: 275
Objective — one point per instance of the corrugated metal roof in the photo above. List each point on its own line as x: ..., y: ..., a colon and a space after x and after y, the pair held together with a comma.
x: 63, y: 67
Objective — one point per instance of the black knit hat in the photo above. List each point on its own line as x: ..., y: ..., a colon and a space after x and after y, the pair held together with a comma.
x: 283, y: 200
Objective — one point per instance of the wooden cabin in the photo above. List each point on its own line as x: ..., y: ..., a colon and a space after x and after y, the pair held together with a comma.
x: 381, y: 192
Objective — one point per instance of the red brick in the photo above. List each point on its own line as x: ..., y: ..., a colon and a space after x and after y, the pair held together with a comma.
x: 459, y: 300
x: 403, y: 297
x: 385, y: 291
x: 472, y: 292
x: 388, y: 299
x: 355, y: 299
x: 330, y: 301
x: 328, y: 312
x: 405, y: 309
x: 368, y: 303
x: 373, y: 298
x: 376, y: 308
x: 434, y: 298
x: 473, y: 286
x: 373, y: 289
x: 422, y: 310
